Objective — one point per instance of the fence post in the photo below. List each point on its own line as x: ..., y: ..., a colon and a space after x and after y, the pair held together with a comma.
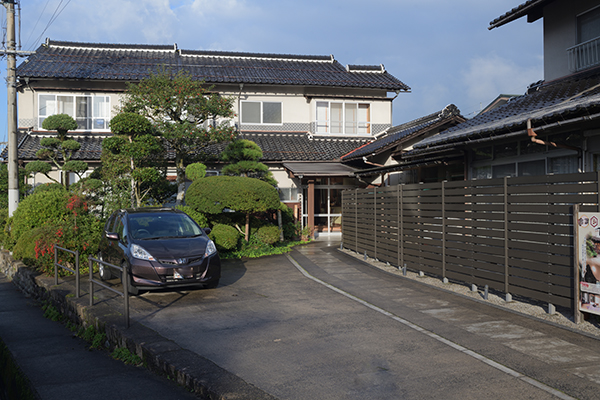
x: 356, y: 219
x: 375, y: 222
x: 577, y: 316
x: 444, y: 232
x: 506, y: 284
x: 402, y: 225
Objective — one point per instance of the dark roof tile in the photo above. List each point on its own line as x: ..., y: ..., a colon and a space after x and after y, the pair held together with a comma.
x: 99, y: 61
x: 562, y: 99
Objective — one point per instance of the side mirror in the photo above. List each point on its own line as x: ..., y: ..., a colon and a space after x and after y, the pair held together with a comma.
x: 207, y: 230
x: 112, y: 235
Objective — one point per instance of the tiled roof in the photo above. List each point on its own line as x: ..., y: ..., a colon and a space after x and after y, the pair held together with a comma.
x: 554, y: 102
x: 399, y: 133
x: 122, y: 62
x: 276, y: 147
x: 518, y: 12
x: 29, y: 144
x: 301, y: 147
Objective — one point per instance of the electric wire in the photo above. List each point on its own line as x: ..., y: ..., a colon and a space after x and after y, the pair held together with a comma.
x: 36, y: 24
x: 55, y: 15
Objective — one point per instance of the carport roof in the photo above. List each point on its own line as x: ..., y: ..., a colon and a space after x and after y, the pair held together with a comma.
x: 319, y: 169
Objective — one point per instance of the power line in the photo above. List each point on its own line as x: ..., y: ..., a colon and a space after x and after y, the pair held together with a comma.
x: 55, y: 15
x: 36, y: 22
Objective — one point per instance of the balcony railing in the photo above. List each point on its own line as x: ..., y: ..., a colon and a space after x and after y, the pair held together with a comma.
x: 584, y: 55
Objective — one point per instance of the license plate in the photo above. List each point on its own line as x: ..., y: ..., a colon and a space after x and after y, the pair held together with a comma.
x: 177, y: 275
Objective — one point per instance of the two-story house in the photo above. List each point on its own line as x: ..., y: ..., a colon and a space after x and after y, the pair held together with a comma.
x: 305, y: 112
x: 554, y: 128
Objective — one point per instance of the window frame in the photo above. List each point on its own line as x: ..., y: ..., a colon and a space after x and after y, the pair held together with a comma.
x: 93, y: 106
x: 344, y: 127
x: 261, y: 112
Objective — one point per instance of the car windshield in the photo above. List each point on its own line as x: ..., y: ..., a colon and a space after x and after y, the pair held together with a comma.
x: 159, y: 226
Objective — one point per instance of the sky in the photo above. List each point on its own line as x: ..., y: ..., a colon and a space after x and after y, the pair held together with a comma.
x: 441, y: 49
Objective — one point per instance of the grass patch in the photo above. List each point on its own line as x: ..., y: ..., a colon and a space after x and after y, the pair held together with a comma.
x: 124, y: 355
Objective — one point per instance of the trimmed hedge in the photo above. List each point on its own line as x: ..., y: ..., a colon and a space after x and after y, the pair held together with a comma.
x: 268, y: 234
x: 225, y: 237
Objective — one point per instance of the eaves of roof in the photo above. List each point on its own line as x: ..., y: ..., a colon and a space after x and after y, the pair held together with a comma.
x: 531, y: 8
x: 407, y: 131
x: 120, y: 62
x: 276, y: 147
x: 561, y: 100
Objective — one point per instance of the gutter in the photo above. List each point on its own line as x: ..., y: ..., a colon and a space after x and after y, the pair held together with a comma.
x: 506, y: 136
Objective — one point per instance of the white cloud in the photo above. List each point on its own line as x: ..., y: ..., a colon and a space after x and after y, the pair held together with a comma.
x: 487, y: 77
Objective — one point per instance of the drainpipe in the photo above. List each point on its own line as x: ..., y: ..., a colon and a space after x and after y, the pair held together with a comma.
x: 534, y: 139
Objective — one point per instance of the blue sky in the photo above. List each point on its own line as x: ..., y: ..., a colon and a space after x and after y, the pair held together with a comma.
x: 441, y: 49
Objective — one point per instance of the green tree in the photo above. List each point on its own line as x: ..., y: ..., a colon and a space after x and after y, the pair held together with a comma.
x: 195, y: 171
x: 146, y: 165
x: 23, y: 188
x: 181, y: 109
x: 244, y: 156
x: 59, y: 150
x: 214, y: 194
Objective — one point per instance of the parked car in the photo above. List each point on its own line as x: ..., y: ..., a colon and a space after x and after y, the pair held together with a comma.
x: 159, y: 248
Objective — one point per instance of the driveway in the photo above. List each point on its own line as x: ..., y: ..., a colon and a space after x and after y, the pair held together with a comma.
x: 317, y: 324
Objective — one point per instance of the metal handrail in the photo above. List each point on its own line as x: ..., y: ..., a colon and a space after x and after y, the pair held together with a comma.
x: 584, y: 55
x: 76, y: 271
x: 124, y: 293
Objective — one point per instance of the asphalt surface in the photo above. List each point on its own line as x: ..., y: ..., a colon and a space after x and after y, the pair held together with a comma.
x: 317, y: 324
x: 62, y: 366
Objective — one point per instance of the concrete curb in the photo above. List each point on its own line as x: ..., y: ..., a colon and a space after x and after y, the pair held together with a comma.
x: 160, y: 355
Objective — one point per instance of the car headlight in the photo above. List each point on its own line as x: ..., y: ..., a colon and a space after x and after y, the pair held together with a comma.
x: 210, y: 248
x: 141, y: 253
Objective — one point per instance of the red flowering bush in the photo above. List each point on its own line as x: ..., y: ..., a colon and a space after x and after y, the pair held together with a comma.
x: 65, y: 222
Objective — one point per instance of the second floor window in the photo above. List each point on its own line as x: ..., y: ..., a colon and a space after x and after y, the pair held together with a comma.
x: 261, y: 112
x: 343, y: 118
x: 588, y: 26
x: 90, y: 112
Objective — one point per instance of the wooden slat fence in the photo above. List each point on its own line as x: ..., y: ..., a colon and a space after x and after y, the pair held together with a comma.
x: 513, y: 234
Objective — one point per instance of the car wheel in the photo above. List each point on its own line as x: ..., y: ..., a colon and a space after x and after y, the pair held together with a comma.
x: 132, y: 290
x: 103, y: 270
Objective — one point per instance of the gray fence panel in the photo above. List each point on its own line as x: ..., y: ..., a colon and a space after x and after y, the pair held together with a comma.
x: 513, y: 234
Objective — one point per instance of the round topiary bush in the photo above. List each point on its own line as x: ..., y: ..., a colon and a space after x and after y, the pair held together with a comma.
x: 268, y: 234
x: 225, y: 237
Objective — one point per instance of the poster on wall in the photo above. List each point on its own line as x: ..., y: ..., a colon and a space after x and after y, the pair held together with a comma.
x: 588, y: 254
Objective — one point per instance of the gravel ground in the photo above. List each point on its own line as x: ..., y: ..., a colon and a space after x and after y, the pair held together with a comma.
x: 562, y: 316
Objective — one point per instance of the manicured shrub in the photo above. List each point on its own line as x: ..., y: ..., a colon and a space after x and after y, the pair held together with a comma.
x: 225, y: 237
x: 49, y: 218
x: 216, y: 194
x: 268, y: 234
x: 38, y: 209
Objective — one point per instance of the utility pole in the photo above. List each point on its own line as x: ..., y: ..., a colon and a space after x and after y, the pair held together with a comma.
x: 11, y: 85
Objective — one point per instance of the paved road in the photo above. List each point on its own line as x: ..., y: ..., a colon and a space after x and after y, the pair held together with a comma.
x: 61, y: 366
x: 317, y: 324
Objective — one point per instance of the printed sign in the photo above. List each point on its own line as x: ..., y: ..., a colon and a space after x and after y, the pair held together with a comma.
x: 588, y: 229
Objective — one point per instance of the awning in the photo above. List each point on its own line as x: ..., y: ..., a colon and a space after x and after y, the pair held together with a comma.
x: 305, y: 169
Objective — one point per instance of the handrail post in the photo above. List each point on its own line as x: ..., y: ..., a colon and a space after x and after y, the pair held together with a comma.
x: 91, y: 282
x: 126, y: 295
x: 55, y: 265
x: 77, y: 274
